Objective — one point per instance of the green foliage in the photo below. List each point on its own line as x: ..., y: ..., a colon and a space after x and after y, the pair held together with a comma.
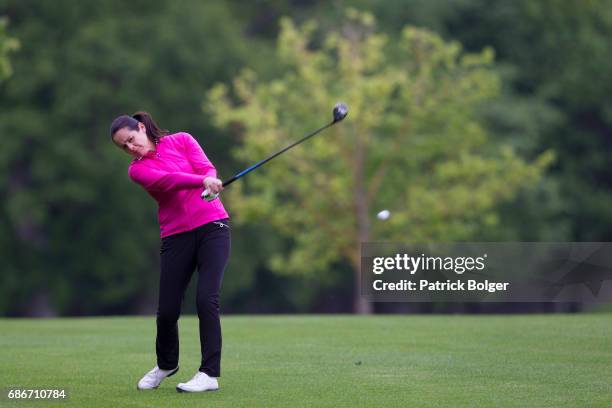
x: 411, y: 143
x: 555, y: 61
x: 76, y: 230
x: 7, y: 45
x: 568, y: 66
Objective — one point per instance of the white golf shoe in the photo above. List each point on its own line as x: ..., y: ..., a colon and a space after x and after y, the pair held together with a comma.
x: 153, y: 378
x: 200, y: 382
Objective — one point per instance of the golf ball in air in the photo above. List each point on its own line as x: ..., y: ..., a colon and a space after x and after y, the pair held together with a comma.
x: 383, y: 215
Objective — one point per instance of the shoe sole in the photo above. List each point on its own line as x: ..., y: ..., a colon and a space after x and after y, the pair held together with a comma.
x: 154, y: 388
x: 182, y: 390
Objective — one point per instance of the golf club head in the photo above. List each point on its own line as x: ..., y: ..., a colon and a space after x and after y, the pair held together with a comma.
x: 340, y: 111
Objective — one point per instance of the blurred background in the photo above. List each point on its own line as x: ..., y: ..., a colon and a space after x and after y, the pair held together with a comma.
x: 470, y: 120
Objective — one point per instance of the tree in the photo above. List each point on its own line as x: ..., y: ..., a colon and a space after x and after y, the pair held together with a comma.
x: 555, y: 61
x: 7, y: 45
x: 411, y: 143
x: 77, y: 236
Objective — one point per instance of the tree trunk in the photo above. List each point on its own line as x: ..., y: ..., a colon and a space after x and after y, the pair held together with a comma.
x: 360, y: 305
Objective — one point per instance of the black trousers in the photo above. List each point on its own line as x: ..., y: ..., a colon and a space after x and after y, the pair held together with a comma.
x: 208, y: 248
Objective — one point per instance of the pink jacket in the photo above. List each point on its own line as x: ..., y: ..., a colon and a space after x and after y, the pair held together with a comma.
x: 173, y: 176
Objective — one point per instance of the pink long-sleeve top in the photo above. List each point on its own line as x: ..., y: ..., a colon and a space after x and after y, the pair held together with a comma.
x: 173, y: 176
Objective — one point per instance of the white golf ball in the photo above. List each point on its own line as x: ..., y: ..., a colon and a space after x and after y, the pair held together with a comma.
x: 383, y: 215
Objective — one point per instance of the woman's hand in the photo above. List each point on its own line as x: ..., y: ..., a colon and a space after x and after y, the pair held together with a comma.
x: 213, y: 185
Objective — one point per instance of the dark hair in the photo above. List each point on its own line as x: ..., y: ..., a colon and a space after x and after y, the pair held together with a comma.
x: 154, y: 133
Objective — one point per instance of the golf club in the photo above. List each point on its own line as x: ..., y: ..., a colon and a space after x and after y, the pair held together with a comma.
x: 340, y: 111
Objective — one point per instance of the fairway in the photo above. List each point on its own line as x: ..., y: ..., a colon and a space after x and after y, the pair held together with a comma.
x: 323, y: 361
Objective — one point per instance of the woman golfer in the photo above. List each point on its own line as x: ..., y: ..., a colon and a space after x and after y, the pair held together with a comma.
x: 173, y: 169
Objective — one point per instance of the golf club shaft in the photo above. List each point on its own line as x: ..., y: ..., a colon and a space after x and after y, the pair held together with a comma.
x: 267, y: 159
x: 339, y: 113
x: 264, y: 161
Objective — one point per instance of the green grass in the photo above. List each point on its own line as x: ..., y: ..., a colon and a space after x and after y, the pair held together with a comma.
x: 324, y: 361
